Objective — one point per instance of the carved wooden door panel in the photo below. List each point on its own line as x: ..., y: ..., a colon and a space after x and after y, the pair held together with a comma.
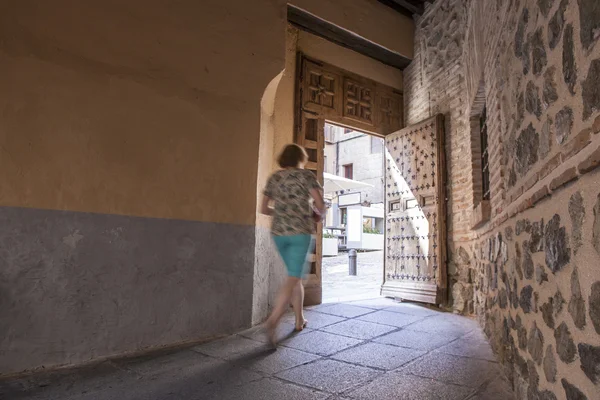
x: 415, y: 261
x: 311, y: 135
x: 320, y: 88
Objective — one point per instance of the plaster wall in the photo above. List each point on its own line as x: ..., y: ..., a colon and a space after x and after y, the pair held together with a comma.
x: 130, y: 136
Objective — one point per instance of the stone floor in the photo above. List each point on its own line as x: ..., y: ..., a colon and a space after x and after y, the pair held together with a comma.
x: 370, y: 349
x: 338, y: 286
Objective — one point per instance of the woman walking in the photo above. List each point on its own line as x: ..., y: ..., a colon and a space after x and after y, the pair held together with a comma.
x: 287, y: 198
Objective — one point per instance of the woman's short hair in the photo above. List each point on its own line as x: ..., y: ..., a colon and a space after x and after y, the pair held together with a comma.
x: 291, y: 156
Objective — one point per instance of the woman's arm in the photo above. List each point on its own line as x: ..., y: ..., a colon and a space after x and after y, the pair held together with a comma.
x: 264, y: 207
x: 318, y: 199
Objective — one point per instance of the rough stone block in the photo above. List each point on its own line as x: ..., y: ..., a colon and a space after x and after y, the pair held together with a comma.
x: 563, y: 123
x: 589, y: 17
x: 577, y: 214
x: 590, y: 361
x: 565, y: 346
x: 558, y: 253
x: 550, y: 364
x: 567, y: 176
x: 577, y: 303
x: 594, y: 302
x: 591, y: 90
x: 569, y: 64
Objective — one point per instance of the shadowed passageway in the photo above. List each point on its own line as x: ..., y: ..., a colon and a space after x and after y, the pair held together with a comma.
x: 369, y: 349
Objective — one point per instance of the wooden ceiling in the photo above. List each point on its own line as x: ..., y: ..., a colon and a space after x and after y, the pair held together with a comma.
x: 407, y: 7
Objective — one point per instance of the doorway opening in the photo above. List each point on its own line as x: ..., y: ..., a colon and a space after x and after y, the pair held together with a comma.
x: 353, y: 181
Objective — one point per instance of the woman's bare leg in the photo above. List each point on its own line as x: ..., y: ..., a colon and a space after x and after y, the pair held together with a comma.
x: 297, y: 304
x: 281, y: 306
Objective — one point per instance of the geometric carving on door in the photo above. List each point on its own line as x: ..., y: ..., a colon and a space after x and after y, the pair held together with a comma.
x: 391, y: 111
x: 358, y: 101
x: 321, y: 87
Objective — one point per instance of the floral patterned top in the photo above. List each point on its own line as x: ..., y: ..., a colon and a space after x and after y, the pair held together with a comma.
x: 290, y: 190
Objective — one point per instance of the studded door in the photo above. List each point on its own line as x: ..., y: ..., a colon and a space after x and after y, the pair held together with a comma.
x: 415, y: 260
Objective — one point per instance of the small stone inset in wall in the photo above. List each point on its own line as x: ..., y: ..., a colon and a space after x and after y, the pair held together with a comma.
x: 528, y: 268
x: 526, y: 299
x: 558, y: 252
x: 508, y: 234
x: 596, y: 227
x: 591, y: 90
x: 550, y: 93
x: 572, y: 392
x: 569, y: 64
x: 520, y: 110
x: 523, y: 225
x: 548, y: 313
x: 550, y: 364
x: 563, y: 124
x: 558, y: 302
x: 520, y: 34
x: 577, y: 303
x: 540, y: 275
x: 533, y: 104
x: 535, y: 344
x: 594, y: 302
x: 537, y: 237
x: 590, y: 361
x: 546, y: 138
x: 577, y: 213
x: 540, y: 60
x: 514, y: 298
x: 589, y: 16
x: 556, y: 25
x: 521, y: 333
x: 526, y: 150
x: 565, y: 347
x: 545, y: 6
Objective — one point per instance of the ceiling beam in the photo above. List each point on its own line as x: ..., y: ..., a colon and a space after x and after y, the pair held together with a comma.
x: 406, y: 7
x: 311, y: 23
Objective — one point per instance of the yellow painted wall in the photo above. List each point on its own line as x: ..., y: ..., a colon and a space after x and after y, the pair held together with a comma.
x: 146, y: 108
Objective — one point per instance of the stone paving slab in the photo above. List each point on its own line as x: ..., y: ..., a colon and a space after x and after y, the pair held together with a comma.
x: 321, y: 343
x: 409, y: 387
x: 345, y: 310
x: 358, y: 329
x: 469, y: 348
x: 373, y: 349
x: 370, y: 355
x: 395, y: 319
x: 462, y: 371
x: 316, y: 320
x: 415, y: 340
x: 329, y: 375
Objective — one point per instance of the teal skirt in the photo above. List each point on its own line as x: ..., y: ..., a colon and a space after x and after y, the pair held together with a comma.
x: 294, y: 252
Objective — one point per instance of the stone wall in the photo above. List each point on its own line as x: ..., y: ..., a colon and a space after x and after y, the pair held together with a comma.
x: 531, y: 272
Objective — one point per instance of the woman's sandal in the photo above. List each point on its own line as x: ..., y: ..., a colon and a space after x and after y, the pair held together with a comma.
x: 271, y: 334
x: 302, y: 327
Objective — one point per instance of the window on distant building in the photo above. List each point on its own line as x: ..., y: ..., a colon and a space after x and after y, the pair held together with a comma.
x: 348, y: 171
x: 485, y: 163
x: 376, y: 145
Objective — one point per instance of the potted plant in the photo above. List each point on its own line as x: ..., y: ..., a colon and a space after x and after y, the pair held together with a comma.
x: 330, y: 245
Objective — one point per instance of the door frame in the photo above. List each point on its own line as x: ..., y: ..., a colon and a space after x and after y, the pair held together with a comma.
x: 383, y: 105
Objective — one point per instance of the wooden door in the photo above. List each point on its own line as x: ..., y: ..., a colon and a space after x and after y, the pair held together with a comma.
x: 311, y: 135
x: 415, y: 260
x: 325, y: 92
